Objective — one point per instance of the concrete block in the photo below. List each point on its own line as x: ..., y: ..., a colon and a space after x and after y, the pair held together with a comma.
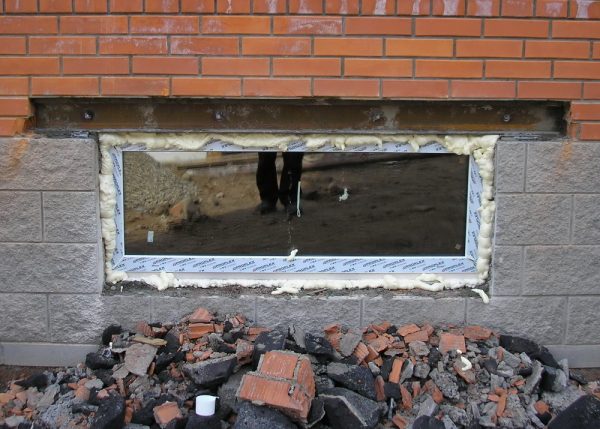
x: 71, y: 217
x: 81, y: 319
x: 507, y: 270
x: 563, y: 167
x: 579, y: 356
x: 20, y: 216
x: 311, y: 313
x: 533, y: 219
x: 583, y: 326
x: 541, y: 318
x: 401, y: 310
x: 586, y: 219
x: 50, y: 268
x: 558, y: 270
x: 172, y: 309
x: 24, y: 317
x: 48, y: 164
x: 510, y: 166
x: 44, y: 354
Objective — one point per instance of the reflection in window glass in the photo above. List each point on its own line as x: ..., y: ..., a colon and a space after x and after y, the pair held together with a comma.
x: 351, y: 204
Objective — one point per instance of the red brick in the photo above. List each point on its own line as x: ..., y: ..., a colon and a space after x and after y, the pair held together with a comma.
x: 419, y: 47
x: 483, y: 8
x: 379, y: 388
x: 96, y: 65
x: 477, y: 333
x: 197, y: 6
x: 28, y: 25
x: 306, y: 25
x: 64, y: 86
x: 233, y: 7
x: 378, y: 7
x: 14, y: 86
x: 165, y: 65
x: 591, y: 90
x: 62, y: 45
x: 277, y: 87
x: 452, y: 342
x: 93, y: 24
x: 306, y: 66
x: 415, y: 88
x: 400, y: 422
x: 348, y: 46
x: 596, y: 50
x: 165, y: 24
x: 340, y: 7
x: 588, y: 10
x: 346, y: 88
x: 422, y: 7
x: 91, y: 6
x: 11, y: 126
x: 166, y: 412
x: 135, y: 86
x: 277, y: 394
x: 235, y: 66
x: 377, y: 67
x: 21, y: 6
x: 276, y: 46
x: 483, y: 89
x: 383, y: 26
x: 406, y: 398
x: 516, y: 28
x: 305, y: 376
x: 56, y: 6
x: 517, y: 8
x: 204, y: 45
x: 576, y: 29
x: 161, y: 6
x: 556, y: 49
x: 15, y: 107
x: 305, y: 7
x: 29, y: 65
x: 590, y: 131
x: 549, y: 90
x: 489, y: 48
x: 133, y: 45
x: 447, y: 27
x: 126, y: 6
x: 12, y: 46
x: 211, y: 87
x: 581, y: 111
x: 445, y: 8
x: 236, y: 24
x: 280, y: 365
x: 449, y: 68
x: 551, y: 8
x: 576, y: 69
x: 518, y: 69
x: 407, y: 329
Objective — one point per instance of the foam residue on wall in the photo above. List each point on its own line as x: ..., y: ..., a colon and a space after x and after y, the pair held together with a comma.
x: 480, y: 147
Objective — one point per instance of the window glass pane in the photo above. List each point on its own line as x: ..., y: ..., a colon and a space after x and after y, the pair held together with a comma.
x: 352, y: 204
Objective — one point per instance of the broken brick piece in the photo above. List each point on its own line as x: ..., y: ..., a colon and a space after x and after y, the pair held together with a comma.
x: 501, y: 405
x: 420, y: 335
x: 380, y: 388
x: 281, y: 365
x: 334, y: 328
x: 477, y: 333
x: 382, y: 327
x: 407, y: 329
x: 197, y: 330
x: 144, y: 329
x: 400, y: 421
x: 452, y: 342
x: 406, y: 398
x: 166, y: 412
x: 201, y: 315
x: 396, y: 370
x: 541, y: 407
x: 361, y: 352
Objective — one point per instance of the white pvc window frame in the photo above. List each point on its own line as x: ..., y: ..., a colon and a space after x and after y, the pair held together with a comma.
x: 222, y: 266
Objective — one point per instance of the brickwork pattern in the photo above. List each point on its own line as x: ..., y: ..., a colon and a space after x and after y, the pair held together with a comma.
x: 375, y: 49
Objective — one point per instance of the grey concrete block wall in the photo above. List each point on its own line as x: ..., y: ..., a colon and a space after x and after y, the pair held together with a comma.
x: 545, y: 280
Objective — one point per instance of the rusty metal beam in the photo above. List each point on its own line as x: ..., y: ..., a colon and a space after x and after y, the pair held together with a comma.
x: 503, y: 117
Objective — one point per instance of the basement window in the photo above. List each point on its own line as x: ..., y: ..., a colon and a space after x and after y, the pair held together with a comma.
x: 398, y: 211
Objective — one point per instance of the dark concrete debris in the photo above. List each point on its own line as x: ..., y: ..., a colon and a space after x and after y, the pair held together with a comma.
x: 411, y: 376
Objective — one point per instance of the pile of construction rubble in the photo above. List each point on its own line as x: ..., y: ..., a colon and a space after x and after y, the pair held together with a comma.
x: 380, y: 376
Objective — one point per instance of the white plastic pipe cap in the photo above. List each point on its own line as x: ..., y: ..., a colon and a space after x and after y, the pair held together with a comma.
x: 205, y: 405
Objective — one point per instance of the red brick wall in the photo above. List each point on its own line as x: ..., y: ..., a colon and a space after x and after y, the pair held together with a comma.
x: 376, y: 49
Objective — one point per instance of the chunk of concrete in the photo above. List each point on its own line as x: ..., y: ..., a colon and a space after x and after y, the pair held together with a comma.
x: 346, y: 409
